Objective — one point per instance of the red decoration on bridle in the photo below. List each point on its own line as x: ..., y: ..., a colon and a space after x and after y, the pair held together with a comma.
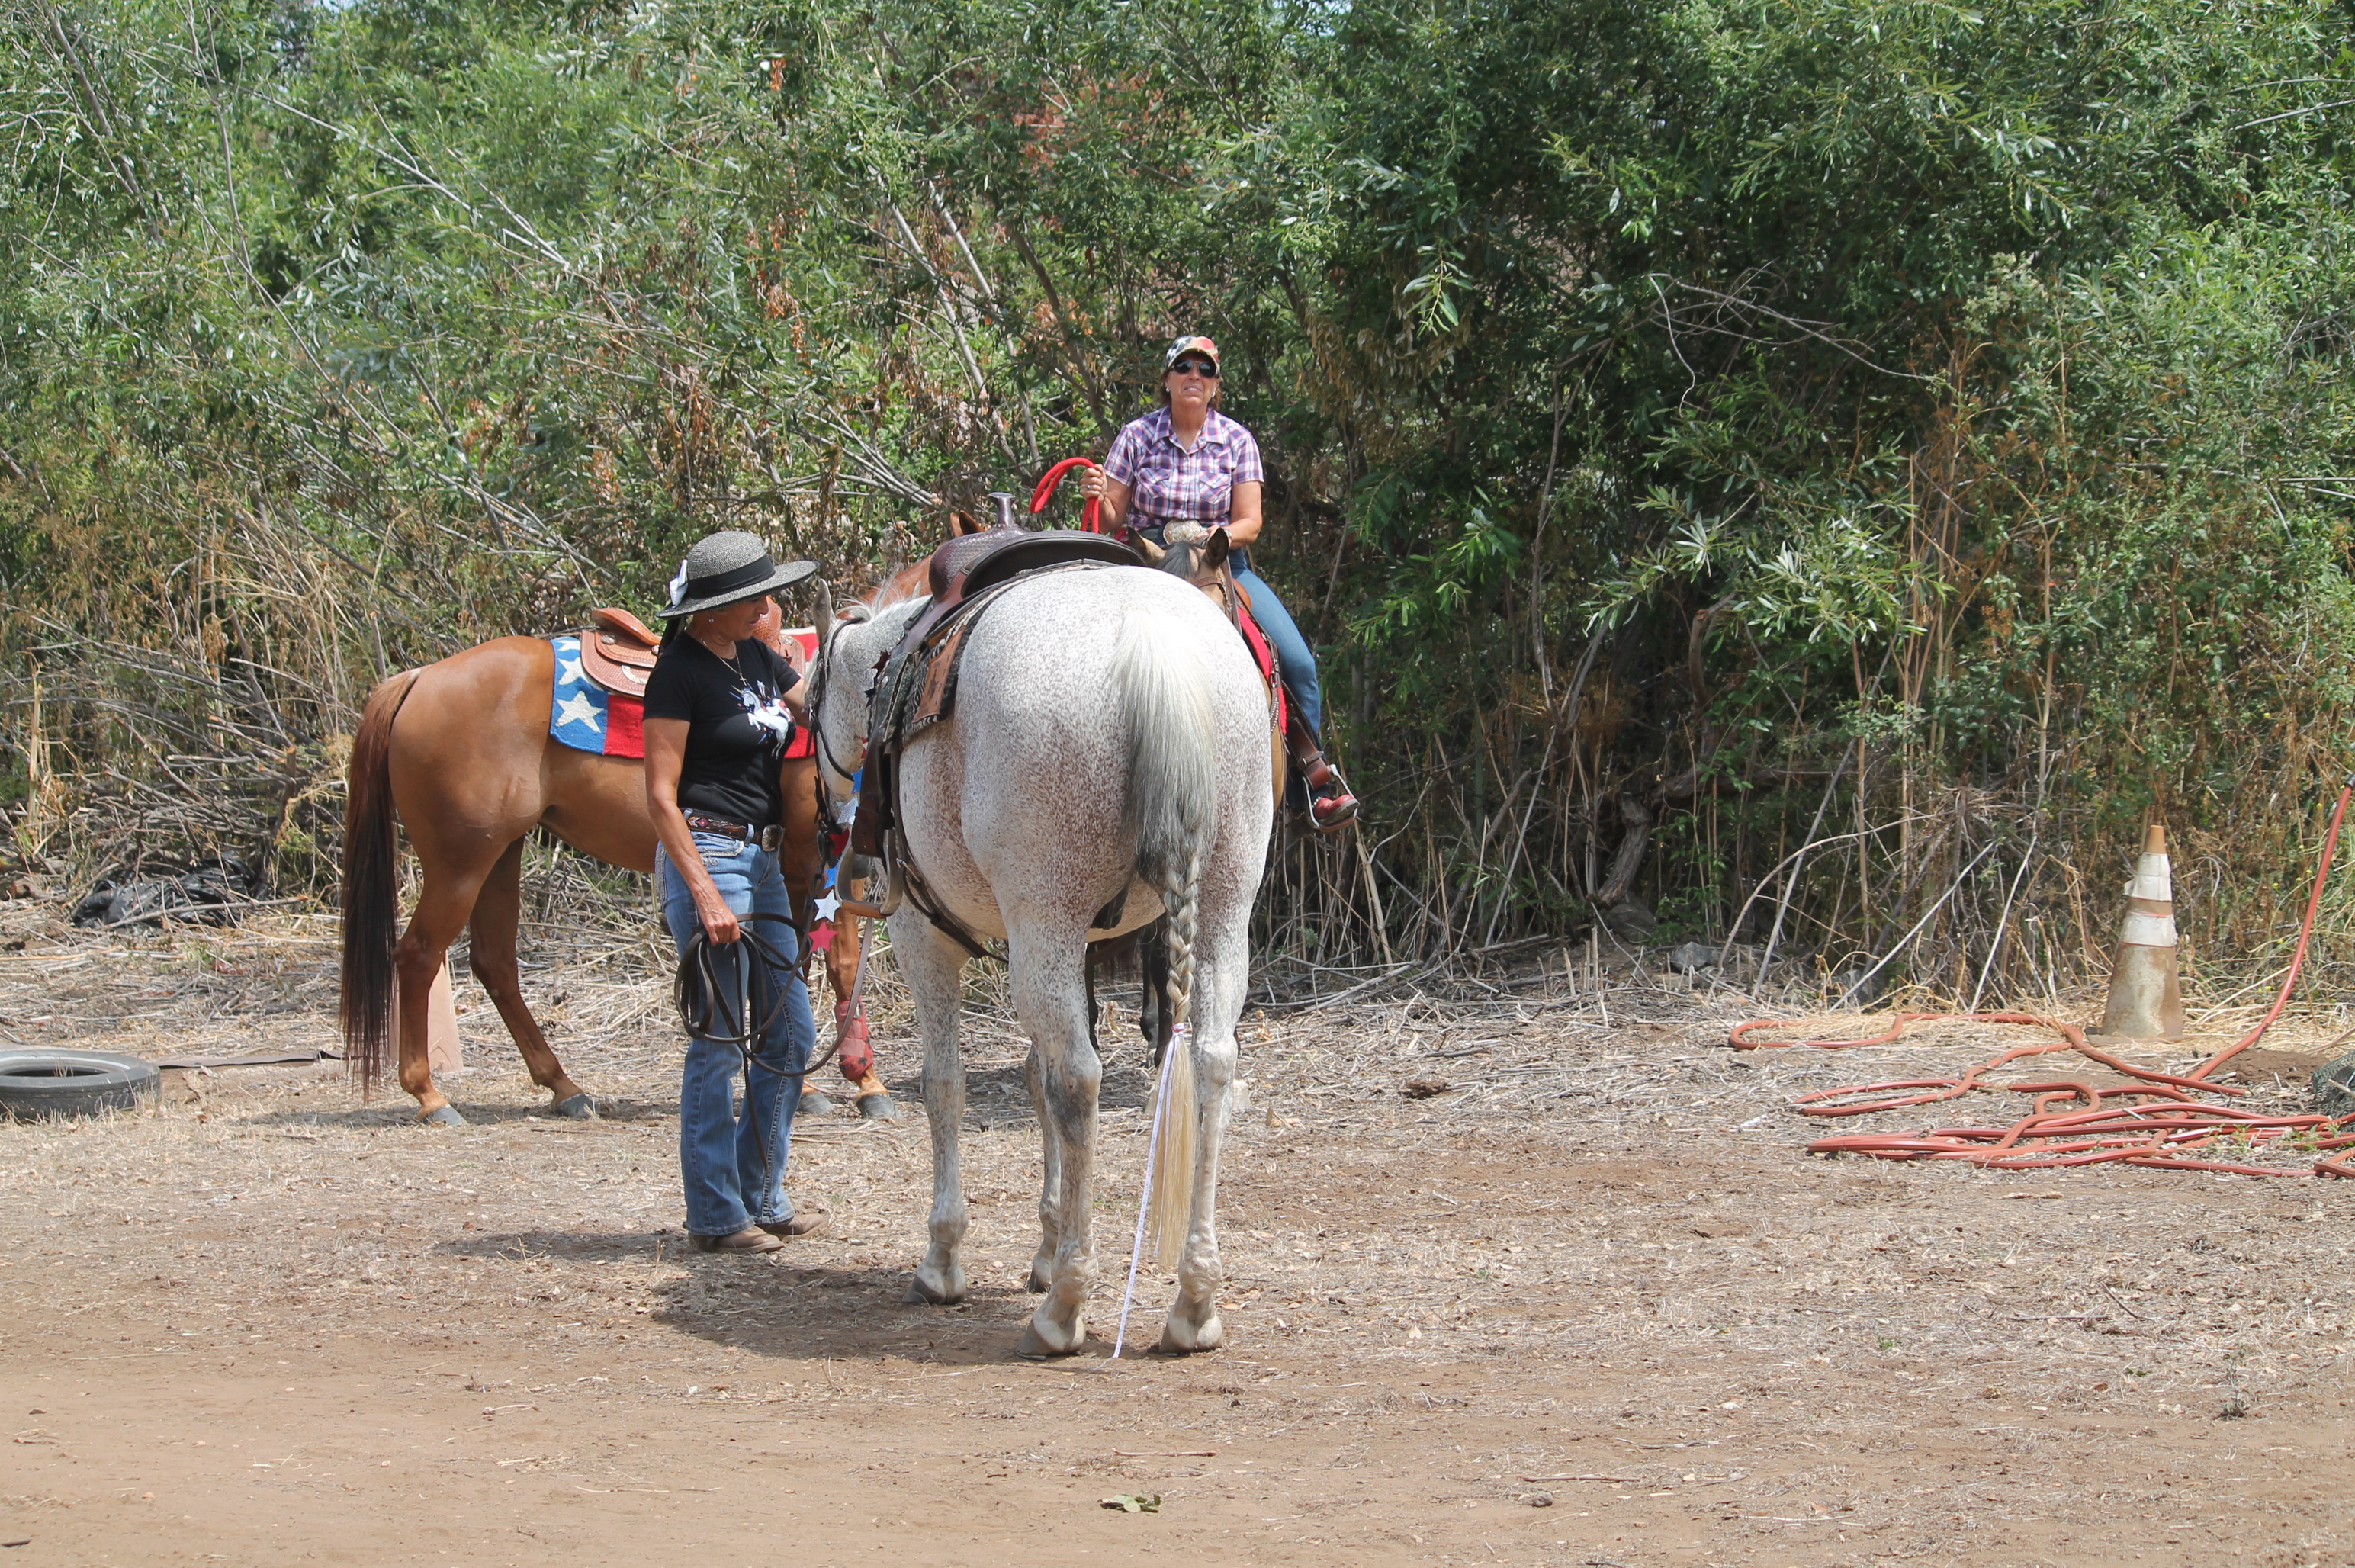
x: 1091, y: 519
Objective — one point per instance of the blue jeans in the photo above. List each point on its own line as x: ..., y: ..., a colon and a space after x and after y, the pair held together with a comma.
x: 734, y: 1177
x: 1292, y: 655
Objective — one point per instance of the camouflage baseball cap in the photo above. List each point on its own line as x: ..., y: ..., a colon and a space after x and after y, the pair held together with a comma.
x: 1192, y: 343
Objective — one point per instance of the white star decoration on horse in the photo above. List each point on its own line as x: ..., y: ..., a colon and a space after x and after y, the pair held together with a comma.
x: 578, y: 710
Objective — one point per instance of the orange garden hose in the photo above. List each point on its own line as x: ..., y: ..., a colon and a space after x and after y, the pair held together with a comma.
x: 2154, y: 1121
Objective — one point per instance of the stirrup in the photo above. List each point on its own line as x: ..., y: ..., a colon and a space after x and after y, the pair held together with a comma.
x: 1331, y: 806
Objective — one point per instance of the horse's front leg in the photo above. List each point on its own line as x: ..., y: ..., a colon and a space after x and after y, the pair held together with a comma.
x: 1193, y: 1323
x: 1050, y: 994
x: 933, y: 968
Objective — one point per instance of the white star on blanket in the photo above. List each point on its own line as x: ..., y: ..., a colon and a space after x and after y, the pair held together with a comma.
x: 568, y: 673
x: 578, y: 710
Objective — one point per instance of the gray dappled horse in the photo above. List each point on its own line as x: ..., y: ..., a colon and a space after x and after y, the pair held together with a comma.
x: 1109, y: 747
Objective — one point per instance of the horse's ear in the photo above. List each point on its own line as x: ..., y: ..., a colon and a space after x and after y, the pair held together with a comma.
x: 1215, y: 551
x: 962, y: 524
x: 1153, y: 552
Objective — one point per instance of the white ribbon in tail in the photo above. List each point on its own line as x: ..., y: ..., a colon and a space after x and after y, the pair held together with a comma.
x: 1145, y: 1193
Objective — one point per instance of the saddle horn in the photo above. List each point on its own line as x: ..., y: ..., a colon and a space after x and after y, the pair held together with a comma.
x: 1005, y: 504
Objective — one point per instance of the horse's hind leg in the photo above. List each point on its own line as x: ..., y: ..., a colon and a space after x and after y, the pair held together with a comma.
x: 934, y: 970
x: 498, y: 910
x: 1193, y: 1323
x: 1051, y: 1188
x: 1050, y: 995
x: 443, y: 905
x: 1153, y: 1019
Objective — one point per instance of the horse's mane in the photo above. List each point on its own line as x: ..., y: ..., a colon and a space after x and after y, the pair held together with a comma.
x: 894, y: 616
x: 909, y: 582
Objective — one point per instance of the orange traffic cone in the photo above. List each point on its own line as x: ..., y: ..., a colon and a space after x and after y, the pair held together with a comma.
x: 2145, y: 991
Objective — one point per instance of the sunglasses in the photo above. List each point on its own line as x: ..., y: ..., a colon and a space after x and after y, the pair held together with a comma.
x: 1201, y: 368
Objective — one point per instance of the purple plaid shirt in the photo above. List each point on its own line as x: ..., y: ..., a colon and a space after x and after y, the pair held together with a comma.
x: 1167, y: 482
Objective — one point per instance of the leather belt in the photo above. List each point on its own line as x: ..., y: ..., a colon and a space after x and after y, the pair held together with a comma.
x: 768, y: 837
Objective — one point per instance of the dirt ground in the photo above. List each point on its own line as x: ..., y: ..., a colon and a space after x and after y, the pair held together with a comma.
x: 1591, y: 1303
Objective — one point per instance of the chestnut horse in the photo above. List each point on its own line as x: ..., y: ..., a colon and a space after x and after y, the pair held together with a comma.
x: 460, y: 752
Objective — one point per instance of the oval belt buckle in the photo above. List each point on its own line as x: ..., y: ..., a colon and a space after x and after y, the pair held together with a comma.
x: 773, y: 837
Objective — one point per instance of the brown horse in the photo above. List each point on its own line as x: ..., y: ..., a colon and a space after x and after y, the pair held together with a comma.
x: 460, y: 752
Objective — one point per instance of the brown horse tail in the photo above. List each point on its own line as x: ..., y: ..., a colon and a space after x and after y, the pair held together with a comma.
x: 371, y: 881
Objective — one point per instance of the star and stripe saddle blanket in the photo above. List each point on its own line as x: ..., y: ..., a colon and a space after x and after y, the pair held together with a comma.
x: 591, y: 718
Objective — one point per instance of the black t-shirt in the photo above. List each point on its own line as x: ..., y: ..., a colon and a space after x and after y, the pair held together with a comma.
x: 737, y: 726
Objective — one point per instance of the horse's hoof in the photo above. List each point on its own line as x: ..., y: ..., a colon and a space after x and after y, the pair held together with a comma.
x: 442, y: 1115
x: 1178, y: 1340
x: 1037, y: 1346
x: 813, y: 1104
x: 1040, y: 1281
x: 877, y: 1108
x: 925, y: 1292
x: 579, y: 1108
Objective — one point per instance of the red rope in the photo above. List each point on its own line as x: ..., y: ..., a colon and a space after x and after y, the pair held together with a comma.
x: 2097, y: 1131
x: 1090, y: 518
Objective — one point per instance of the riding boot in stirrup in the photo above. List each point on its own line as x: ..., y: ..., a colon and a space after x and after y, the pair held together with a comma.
x: 1331, y: 806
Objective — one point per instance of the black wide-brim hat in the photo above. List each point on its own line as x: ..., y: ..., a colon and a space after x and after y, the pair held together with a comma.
x: 726, y: 568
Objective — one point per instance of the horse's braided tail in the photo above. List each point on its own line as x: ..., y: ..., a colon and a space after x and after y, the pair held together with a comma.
x: 371, y: 881
x: 1180, y: 1124
x: 1171, y: 806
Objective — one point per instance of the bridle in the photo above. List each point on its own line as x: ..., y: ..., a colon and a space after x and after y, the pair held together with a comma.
x: 830, y: 765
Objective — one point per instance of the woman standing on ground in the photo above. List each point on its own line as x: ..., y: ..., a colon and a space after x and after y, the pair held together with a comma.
x: 721, y: 706
x: 1187, y: 465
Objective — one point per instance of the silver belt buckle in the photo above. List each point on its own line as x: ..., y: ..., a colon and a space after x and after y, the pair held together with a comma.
x: 771, y: 837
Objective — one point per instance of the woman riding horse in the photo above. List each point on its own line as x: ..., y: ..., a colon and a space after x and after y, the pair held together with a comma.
x: 1187, y: 467
x: 721, y: 707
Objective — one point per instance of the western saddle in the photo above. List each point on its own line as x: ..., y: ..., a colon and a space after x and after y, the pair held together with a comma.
x: 618, y: 653
x: 918, y: 687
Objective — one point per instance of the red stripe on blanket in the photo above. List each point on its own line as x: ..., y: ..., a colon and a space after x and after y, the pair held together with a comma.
x: 802, y: 745
x: 625, y: 726
x: 1265, y: 655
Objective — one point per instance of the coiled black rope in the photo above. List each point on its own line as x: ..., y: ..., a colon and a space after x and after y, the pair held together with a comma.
x: 706, y: 1009
x: 708, y: 1012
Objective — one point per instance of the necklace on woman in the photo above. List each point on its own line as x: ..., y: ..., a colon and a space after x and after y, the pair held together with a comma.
x: 728, y: 659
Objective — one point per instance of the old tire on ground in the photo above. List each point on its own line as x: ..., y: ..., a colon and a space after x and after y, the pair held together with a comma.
x: 43, y: 1085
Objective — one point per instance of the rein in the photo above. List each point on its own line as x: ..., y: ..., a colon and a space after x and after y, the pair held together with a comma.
x: 703, y: 1006
x: 1092, y: 517
x: 704, y: 1010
